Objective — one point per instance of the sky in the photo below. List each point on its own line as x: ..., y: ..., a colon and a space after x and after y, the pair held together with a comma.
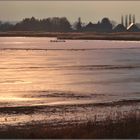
x: 87, y: 10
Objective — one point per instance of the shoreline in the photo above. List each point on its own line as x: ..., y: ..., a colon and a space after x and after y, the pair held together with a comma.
x: 122, y: 36
x: 63, y: 115
x: 36, y: 107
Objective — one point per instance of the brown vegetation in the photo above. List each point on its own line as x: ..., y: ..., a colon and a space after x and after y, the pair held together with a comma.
x: 124, y: 126
x: 103, y: 36
x: 132, y: 36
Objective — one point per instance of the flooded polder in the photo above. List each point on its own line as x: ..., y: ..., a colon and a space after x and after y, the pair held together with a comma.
x: 66, y: 82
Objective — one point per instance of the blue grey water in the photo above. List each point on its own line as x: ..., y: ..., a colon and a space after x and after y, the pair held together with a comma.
x: 37, y: 72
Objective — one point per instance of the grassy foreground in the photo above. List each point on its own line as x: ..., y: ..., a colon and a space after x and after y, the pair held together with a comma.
x: 122, y: 127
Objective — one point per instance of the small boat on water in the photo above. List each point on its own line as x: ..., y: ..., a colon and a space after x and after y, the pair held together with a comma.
x: 57, y: 40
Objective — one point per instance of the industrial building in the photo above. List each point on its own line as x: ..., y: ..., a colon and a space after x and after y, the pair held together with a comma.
x: 128, y: 24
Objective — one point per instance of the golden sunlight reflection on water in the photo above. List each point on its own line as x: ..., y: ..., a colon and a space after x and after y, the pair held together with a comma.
x: 67, y: 71
x: 12, y: 98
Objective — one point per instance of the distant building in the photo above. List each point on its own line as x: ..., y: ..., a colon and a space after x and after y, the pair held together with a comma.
x: 120, y: 28
x: 133, y: 28
x: 129, y: 25
x: 103, y: 26
x: 126, y: 21
x: 90, y: 27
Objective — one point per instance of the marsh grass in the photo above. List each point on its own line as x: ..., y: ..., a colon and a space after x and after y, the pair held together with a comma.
x: 121, y: 125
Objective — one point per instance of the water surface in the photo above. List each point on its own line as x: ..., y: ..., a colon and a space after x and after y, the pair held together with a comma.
x: 35, y: 71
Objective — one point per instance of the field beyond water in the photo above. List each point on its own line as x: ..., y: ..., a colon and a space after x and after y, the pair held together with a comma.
x: 128, y: 36
x: 69, y: 88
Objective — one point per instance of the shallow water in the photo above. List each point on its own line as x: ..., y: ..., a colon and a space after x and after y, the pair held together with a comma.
x: 35, y: 71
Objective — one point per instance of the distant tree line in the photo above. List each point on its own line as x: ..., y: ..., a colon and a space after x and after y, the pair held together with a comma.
x: 5, y: 26
x: 55, y: 24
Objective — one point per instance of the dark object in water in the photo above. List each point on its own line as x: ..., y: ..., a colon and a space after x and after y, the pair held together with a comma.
x: 57, y: 40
